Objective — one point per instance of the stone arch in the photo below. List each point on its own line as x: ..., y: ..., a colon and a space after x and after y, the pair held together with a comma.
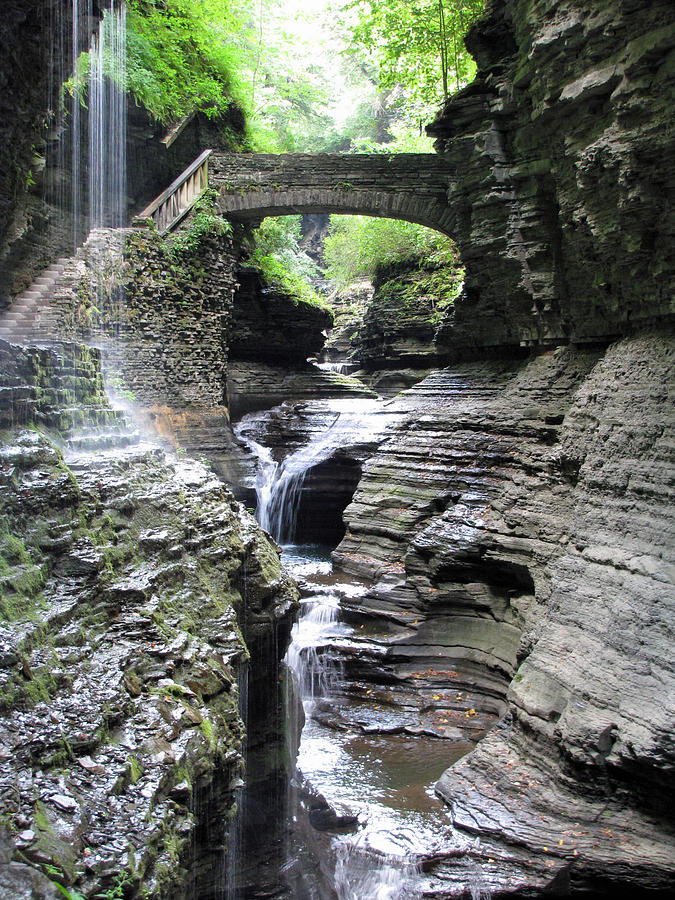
x: 412, y: 187
x: 259, y: 205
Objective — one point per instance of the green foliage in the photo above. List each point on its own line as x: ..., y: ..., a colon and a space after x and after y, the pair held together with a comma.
x: 206, y: 728
x: 416, y: 45
x: 357, y: 246
x: 184, y: 55
x: 21, y: 580
x: 135, y: 770
x: 278, y: 257
x: 402, y: 139
x: 69, y: 895
x: 287, y: 88
x: 204, y: 224
x: 432, y: 285
x: 117, y: 889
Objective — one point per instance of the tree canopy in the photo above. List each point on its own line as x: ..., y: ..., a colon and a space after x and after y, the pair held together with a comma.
x: 417, y: 44
x: 309, y: 75
x: 185, y: 55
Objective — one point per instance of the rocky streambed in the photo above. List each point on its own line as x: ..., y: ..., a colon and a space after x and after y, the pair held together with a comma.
x: 517, y: 527
x: 485, y: 669
x: 491, y: 650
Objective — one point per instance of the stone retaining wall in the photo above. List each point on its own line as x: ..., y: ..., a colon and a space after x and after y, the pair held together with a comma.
x: 161, y: 320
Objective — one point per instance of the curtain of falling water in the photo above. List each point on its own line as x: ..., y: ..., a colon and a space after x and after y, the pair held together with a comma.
x: 228, y: 886
x: 76, y: 131
x: 108, y: 120
x: 89, y: 127
x: 56, y: 25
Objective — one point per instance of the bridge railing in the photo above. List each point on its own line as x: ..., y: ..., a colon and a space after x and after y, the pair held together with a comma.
x: 167, y: 210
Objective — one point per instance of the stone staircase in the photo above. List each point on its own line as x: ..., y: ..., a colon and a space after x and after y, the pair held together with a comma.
x: 23, y: 322
x: 30, y: 318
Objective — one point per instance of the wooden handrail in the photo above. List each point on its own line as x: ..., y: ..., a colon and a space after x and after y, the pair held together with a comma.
x: 173, y: 204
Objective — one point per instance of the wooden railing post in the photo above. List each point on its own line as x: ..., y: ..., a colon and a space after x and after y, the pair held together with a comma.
x: 167, y: 210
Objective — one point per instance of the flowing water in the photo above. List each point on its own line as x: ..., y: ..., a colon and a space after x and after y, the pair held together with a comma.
x: 373, y: 782
x: 279, y: 484
x: 108, y: 120
x: 87, y: 114
x: 385, y: 781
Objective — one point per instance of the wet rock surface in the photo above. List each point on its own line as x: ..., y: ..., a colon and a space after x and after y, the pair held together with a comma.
x: 411, y: 301
x: 270, y: 326
x: 125, y: 577
x: 517, y: 530
x: 349, y: 305
x: 256, y: 386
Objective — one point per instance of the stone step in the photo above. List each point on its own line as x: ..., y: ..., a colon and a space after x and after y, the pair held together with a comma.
x: 12, y: 317
x: 20, y: 318
x: 21, y: 336
x: 81, y: 443
x: 24, y: 302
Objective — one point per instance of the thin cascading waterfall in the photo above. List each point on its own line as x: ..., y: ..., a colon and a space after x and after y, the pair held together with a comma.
x: 279, y: 486
x: 354, y: 867
x: 282, y: 507
x: 277, y: 489
x: 315, y: 675
x: 227, y: 885
x: 265, y: 479
x: 108, y: 120
x: 86, y: 126
x: 107, y: 156
x: 369, y: 877
x: 76, y: 130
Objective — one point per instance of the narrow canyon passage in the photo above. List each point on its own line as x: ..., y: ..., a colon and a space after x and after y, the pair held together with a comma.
x: 438, y: 666
x: 369, y: 731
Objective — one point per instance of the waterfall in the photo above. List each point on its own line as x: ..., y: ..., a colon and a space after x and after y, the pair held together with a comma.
x: 314, y: 674
x: 227, y: 885
x: 279, y: 486
x: 360, y: 874
x: 87, y: 115
x: 361, y: 870
x: 108, y: 120
x: 76, y: 133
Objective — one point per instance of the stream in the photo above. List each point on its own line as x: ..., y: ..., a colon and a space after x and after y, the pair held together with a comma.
x: 364, y: 819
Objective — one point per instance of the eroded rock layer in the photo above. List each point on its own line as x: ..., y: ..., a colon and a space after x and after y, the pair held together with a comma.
x: 126, y: 580
x: 561, y: 151
x: 518, y: 525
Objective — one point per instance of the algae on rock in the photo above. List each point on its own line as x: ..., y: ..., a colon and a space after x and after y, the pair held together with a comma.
x: 120, y: 697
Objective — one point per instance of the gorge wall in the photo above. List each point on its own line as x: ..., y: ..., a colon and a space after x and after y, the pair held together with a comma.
x: 127, y: 579
x: 40, y: 215
x: 518, y: 523
x: 562, y: 165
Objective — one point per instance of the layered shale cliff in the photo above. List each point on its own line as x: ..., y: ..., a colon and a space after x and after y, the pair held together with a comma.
x: 563, y: 172
x: 518, y: 524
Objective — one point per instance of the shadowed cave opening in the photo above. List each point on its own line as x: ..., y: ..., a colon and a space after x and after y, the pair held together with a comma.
x: 327, y: 491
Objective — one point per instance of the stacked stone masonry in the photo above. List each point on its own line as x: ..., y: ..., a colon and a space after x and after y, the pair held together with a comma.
x: 410, y: 186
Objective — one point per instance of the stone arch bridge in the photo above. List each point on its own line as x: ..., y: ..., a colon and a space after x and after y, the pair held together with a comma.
x: 409, y: 186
